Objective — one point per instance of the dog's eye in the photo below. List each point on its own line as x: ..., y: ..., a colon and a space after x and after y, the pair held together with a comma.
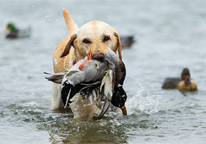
x: 106, y: 38
x: 86, y: 41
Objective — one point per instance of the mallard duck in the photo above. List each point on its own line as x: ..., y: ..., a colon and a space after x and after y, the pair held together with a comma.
x: 12, y: 31
x: 183, y: 83
x: 127, y: 41
x: 95, y: 81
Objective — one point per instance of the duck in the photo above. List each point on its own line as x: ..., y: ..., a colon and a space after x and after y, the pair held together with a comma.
x: 13, y: 32
x: 181, y: 83
x: 96, y: 81
x: 127, y: 41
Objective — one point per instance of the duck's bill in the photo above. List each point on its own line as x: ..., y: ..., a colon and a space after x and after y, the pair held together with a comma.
x: 124, y: 110
x: 6, y: 30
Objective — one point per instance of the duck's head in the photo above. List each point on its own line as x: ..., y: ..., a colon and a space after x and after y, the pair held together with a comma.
x: 10, y: 27
x: 186, y: 76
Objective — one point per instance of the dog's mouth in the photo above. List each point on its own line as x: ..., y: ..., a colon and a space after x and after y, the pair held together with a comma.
x: 97, y: 56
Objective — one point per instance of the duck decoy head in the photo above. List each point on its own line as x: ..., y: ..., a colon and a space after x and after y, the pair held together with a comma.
x: 185, y: 72
x: 10, y: 27
x: 186, y: 76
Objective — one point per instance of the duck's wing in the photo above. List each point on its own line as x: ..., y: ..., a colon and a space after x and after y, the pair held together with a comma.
x: 94, y: 70
x: 24, y: 32
x: 80, y: 80
x: 90, y: 71
x: 56, y: 78
x: 171, y: 82
x: 106, y: 85
x: 76, y: 78
x: 75, y: 75
x: 68, y: 91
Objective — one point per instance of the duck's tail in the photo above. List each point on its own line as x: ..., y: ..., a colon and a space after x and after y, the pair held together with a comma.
x: 71, y: 25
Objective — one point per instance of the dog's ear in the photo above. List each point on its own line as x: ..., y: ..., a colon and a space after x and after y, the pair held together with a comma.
x: 69, y: 44
x: 119, y: 45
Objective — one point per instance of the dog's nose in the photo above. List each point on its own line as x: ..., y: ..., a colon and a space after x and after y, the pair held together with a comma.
x: 98, y: 56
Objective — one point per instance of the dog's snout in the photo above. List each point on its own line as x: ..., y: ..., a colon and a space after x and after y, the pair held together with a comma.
x: 98, y: 56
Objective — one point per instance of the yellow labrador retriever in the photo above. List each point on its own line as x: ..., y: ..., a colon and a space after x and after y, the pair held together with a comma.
x: 95, y: 36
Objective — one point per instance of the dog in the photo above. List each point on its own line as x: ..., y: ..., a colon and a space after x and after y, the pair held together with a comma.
x: 95, y: 37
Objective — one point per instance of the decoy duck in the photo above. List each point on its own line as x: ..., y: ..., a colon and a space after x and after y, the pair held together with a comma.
x: 13, y: 32
x: 127, y: 41
x: 95, y: 81
x: 183, y: 83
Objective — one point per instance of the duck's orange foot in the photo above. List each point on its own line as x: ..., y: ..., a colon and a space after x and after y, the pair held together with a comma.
x: 81, y: 65
x: 89, y: 57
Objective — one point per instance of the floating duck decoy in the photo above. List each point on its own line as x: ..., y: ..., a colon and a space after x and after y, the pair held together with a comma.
x: 12, y: 31
x: 94, y: 80
x: 183, y: 83
x: 127, y: 41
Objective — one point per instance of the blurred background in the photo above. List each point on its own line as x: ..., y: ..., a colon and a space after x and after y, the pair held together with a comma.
x: 169, y: 35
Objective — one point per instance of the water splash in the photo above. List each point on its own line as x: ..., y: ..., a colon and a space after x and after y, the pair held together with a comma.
x: 31, y: 104
x: 143, y: 102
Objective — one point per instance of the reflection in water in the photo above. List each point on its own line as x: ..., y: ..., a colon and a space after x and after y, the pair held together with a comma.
x: 104, y: 131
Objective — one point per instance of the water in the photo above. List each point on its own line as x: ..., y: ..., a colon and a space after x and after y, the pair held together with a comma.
x: 170, y: 35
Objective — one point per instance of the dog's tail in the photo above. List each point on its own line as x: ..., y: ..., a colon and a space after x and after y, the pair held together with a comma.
x: 71, y: 25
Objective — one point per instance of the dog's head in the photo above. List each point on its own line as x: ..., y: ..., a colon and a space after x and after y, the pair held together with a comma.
x: 96, y: 37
